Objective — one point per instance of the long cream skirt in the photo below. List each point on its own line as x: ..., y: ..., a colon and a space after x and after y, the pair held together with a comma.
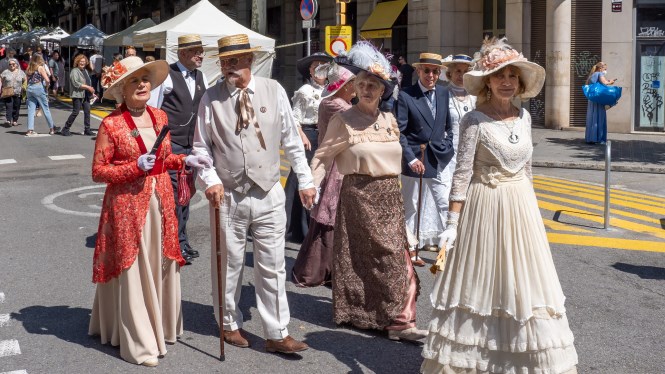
x: 140, y: 310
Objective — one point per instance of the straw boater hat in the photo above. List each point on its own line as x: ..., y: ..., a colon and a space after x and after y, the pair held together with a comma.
x: 234, y: 45
x: 494, y: 56
x: 189, y: 41
x: 303, y: 64
x: 363, y: 56
x: 429, y: 59
x: 457, y: 59
x: 114, y: 77
x: 338, y: 77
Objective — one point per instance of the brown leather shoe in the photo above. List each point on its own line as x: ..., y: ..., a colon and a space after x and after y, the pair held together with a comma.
x: 418, y: 261
x: 287, y: 345
x: 235, y: 338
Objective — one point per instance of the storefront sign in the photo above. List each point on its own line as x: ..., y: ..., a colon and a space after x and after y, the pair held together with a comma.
x: 651, y: 32
x: 338, y: 38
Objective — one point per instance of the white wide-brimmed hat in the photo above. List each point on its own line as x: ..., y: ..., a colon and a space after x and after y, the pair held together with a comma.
x: 114, y: 76
x: 338, y: 77
x: 495, y: 55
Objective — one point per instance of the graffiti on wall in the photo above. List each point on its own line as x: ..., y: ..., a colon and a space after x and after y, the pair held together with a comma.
x: 651, y: 92
x: 651, y: 32
x: 583, y: 62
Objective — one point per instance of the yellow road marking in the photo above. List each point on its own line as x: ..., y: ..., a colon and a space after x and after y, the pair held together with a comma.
x: 596, y: 241
x: 558, y: 226
x: 642, y: 196
x: 598, y: 207
x: 282, y: 180
x: 615, y: 222
x: 580, y: 192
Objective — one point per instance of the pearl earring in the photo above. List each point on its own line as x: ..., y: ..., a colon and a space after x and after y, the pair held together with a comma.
x: 489, y: 95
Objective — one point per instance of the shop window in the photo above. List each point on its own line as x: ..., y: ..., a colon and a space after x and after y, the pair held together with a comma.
x: 494, y: 18
x: 650, y: 70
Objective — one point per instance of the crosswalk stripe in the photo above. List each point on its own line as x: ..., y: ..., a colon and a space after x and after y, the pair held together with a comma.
x: 614, y: 200
x: 583, y: 204
x: 2, y: 297
x: 9, y: 348
x: 15, y: 372
x: 7, y: 161
x: 282, y: 180
x: 4, y: 320
x: 643, y: 196
x: 65, y: 157
x: 558, y: 226
x: 616, y: 243
x: 284, y: 168
x: 615, y: 222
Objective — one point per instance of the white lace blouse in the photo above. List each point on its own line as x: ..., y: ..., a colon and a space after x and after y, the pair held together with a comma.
x: 484, y: 148
x: 306, y: 104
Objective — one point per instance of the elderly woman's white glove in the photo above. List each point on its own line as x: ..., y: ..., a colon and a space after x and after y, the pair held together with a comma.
x: 449, y: 235
x: 146, y: 162
x: 198, y: 161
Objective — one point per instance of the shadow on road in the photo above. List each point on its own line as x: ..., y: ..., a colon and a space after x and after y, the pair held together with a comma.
x: 643, y: 151
x: 63, y: 322
x: 642, y: 271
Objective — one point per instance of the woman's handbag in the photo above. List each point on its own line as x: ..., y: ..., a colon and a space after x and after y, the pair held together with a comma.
x: 601, y: 94
x: 7, y: 92
x: 186, y: 187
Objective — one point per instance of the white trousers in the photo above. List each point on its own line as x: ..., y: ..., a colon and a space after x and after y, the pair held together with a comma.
x: 434, y: 206
x: 264, y: 215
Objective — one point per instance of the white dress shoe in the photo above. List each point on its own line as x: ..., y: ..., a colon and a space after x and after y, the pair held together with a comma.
x: 151, y: 362
x: 411, y: 334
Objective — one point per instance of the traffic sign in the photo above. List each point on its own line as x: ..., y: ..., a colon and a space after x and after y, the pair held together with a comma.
x: 308, y: 9
x: 338, y: 38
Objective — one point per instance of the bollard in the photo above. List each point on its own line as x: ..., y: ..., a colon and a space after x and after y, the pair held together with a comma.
x: 608, y: 167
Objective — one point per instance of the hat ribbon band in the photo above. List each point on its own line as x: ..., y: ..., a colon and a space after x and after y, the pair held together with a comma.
x: 190, y: 44
x: 432, y: 61
x: 235, y: 47
x: 462, y: 57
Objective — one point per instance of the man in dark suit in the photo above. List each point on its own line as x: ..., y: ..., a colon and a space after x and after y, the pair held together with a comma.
x: 427, y: 144
x: 179, y: 97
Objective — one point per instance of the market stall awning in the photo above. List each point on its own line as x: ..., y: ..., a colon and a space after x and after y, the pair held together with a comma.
x: 379, y: 24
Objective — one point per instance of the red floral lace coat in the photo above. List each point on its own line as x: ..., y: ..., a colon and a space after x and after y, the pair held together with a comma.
x: 127, y: 197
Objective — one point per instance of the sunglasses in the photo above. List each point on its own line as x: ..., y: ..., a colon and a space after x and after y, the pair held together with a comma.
x: 436, y: 71
x: 232, y: 61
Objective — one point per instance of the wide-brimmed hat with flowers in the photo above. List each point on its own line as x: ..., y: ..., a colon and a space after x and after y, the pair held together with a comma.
x: 114, y: 76
x: 363, y: 56
x: 338, y: 77
x: 427, y: 58
x: 457, y: 59
x: 231, y: 45
x: 303, y: 64
x: 495, y: 55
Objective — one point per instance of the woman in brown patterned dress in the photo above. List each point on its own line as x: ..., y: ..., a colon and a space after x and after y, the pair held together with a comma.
x: 374, y: 283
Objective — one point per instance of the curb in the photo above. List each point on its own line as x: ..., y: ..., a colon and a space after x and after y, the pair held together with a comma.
x: 599, y: 166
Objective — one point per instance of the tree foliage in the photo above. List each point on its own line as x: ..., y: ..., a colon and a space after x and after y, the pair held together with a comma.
x: 26, y: 14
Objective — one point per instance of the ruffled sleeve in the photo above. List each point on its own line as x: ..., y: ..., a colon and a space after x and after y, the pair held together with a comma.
x: 335, y: 142
x: 469, y: 130
x: 299, y: 105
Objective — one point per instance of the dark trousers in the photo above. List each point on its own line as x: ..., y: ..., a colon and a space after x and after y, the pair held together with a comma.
x: 12, y: 107
x: 181, y: 211
x: 77, y: 103
x: 94, y: 82
x: 297, y: 217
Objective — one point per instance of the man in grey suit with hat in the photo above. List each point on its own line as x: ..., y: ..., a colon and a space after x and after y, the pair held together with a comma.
x: 242, y: 122
x: 179, y: 97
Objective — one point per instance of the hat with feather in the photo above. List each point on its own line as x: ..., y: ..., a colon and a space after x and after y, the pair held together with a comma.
x: 363, y: 56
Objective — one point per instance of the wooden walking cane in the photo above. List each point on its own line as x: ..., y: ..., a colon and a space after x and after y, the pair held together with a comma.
x: 220, y: 290
x: 420, y: 198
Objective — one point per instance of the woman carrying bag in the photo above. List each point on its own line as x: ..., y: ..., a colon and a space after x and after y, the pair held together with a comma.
x: 596, y: 117
x: 13, y: 80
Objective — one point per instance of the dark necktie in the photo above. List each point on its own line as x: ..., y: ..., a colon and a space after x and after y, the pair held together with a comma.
x: 191, y: 74
x: 430, y: 102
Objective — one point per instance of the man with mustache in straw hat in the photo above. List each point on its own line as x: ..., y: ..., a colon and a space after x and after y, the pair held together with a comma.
x: 427, y: 142
x: 241, y: 123
x: 179, y: 97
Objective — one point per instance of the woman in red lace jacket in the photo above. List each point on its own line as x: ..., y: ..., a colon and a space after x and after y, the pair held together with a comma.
x: 137, y: 257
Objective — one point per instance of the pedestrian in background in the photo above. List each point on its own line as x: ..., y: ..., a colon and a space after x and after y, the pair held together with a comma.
x: 96, y: 65
x: 136, y: 264
x: 306, y: 102
x: 15, y: 78
x: 54, y: 66
x: 374, y: 284
x: 4, y: 63
x: 130, y: 51
x: 498, y: 304
x: 313, y: 266
x: 36, y: 94
x: 82, y: 92
x: 596, y: 116
x: 407, y: 72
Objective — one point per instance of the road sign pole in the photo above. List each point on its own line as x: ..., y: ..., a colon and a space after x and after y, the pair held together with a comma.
x: 309, y: 42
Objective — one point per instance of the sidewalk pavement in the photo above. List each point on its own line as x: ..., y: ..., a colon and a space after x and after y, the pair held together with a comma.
x: 643, y: 153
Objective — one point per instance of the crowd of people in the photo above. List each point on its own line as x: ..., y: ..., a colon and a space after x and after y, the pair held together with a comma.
x: 386, y: 160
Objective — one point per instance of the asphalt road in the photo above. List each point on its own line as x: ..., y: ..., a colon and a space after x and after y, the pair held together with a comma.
x: 615, y: 298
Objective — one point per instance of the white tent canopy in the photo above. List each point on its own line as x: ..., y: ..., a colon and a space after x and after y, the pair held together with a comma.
x: 206, y: 20
x: 54, y: 36
x: 87, y: 37
x: 126, y: 36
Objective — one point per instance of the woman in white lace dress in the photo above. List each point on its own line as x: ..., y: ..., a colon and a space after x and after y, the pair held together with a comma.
x: 498, y: 304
